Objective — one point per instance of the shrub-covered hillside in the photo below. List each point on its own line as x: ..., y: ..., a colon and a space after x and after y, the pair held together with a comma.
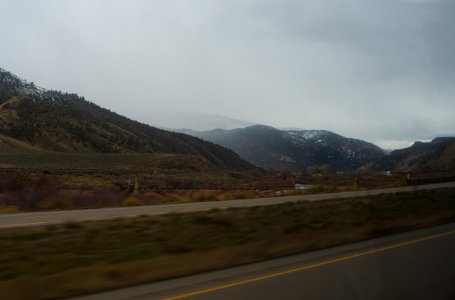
x: 32, y: 118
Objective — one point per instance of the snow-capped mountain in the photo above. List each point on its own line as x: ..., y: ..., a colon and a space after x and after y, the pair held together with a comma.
x: 296, y: 150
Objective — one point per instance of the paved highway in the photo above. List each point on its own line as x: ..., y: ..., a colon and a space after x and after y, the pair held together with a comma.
x: 412, y: 265
x: 46, y: 218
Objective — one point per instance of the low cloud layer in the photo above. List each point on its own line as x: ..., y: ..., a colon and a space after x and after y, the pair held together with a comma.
x: 377, y: 70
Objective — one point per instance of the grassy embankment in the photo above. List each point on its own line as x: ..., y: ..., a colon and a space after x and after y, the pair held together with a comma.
x: 102, y: 161
x: 110, y: 170
x: 77, y: 258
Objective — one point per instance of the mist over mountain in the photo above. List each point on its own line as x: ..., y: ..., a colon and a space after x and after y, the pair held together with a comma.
x: 295, y: 150
x: 35, y: 119
x: 198, y: 122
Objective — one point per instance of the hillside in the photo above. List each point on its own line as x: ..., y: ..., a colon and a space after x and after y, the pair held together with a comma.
x: 36, y: 119
x: 295, y: 150
x: 435, y: 156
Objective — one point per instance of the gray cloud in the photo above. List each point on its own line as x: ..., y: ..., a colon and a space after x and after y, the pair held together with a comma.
x: 378, y: 70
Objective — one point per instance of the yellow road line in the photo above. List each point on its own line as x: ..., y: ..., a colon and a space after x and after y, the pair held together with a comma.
x: 316, y: 265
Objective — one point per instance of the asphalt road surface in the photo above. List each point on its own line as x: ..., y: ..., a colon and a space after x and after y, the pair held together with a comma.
x: 413, y: 265
x: 47, y: 218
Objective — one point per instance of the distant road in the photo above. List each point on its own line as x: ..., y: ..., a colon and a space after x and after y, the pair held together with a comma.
x: 412, y: 265
x: 46, y: 218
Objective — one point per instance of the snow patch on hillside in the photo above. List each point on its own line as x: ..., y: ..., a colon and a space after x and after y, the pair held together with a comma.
x: 23, y: 87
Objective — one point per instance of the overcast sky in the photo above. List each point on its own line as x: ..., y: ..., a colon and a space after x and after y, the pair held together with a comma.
x: 383, y: 70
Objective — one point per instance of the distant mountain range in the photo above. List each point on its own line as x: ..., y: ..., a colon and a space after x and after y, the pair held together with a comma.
x: 435, y: 156
x: 36, y: 119
x: 296, y: 150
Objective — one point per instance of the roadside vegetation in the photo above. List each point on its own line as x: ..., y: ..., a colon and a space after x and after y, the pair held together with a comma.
x: 25, y: 194
x: 33, y: 191
x: 77, y: 258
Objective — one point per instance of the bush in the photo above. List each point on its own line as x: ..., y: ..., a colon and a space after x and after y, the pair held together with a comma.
x: 175, y: 197
x: 7, y: 209
x: 153, y: 197
x: 26, y: 192
x: 204, y: 195
x: 132, y: 201
x: 56, y: 201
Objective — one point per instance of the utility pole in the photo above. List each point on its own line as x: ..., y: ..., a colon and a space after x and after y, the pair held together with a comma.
x: 129, y: 185
x: 136, y: 185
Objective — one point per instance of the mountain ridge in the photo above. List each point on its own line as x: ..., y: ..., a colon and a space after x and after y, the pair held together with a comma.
x: 272, y: 148
x: 438, y: 155
x: 48, y: 120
